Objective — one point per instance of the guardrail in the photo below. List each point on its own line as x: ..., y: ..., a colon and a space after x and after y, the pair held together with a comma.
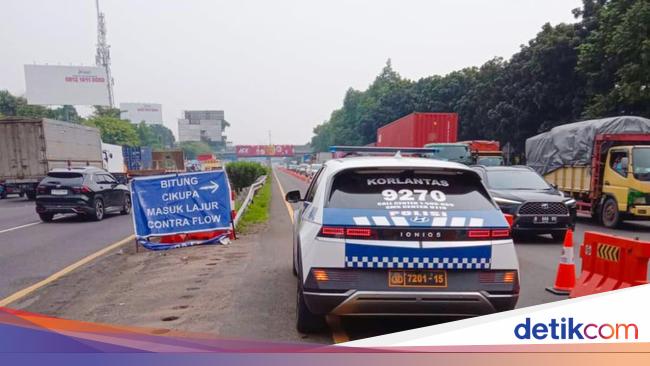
x: 249, y: 198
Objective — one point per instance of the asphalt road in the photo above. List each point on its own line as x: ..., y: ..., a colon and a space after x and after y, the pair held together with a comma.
x: 31, y: 250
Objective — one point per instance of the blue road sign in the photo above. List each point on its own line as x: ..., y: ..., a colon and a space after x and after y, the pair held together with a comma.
x: 181, y: 203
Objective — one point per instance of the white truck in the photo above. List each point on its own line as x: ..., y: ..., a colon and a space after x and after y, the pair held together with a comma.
x: 113, y: 161
x: 31, y: 147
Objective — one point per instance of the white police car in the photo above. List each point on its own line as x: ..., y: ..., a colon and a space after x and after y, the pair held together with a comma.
x: 400, y: 236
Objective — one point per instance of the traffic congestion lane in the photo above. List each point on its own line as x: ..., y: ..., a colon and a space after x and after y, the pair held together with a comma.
x: 30, y: 254
x: 15, y: 212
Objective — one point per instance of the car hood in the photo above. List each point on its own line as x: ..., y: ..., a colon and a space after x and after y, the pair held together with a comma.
x: 528, y: 195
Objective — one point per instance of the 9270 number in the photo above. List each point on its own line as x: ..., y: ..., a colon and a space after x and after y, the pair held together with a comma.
x: 412, y: 194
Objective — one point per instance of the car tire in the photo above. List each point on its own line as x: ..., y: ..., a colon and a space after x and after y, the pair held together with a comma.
x: 99, y: 211
x: 609, y: 215
x: 46, y: 217
x: 306, y: 321
x: 558, y: 236
x: 126, y: 208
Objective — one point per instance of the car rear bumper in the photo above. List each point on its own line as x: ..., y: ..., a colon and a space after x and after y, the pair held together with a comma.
x: 366, y: 292
x: 410, y: 303
x: 64, y: 208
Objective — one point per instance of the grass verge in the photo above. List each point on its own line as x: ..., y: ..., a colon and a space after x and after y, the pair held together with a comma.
x: 258, y: 211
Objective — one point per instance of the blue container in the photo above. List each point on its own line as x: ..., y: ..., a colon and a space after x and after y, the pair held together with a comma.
x: 132, y: 157
x: 145, y: 157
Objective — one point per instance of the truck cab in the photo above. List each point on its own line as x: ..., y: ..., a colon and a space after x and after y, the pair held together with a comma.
x: 454, y: 152
x: 626, y: 184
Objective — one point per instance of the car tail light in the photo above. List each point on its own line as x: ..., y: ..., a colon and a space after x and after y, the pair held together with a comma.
x: 332, y: 232
x: 82, y: 189
x: 340, y: 232
x: 41, y: 190
x: 498, y: 277
x: 501, y: 233
x: 478, y: 233
x: 320, y: 275
x: 359, y: 232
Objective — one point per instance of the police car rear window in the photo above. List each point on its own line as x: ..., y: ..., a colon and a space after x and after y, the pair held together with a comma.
x: 414, y: 190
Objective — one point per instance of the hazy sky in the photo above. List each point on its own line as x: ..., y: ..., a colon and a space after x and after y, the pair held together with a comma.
x: 274, y: 65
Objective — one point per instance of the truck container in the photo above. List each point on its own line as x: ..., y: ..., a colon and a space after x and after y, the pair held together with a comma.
x: 31, y: 147
x: 168, y: 160
x: 603, y: 164
x: 419, y: 129
x: 146, y: 158
x: 485, y: 152
x: 133, y: 157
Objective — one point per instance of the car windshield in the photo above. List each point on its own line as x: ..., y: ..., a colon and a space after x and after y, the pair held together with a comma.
x: 641, y: 163
x: 515, y: 179
x: 63, y: 178
x: 490, y: 160
x: 413, y: 190
x: 451, y: 152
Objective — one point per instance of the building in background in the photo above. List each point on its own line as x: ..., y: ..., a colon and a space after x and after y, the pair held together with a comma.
x: 202, y: 126
x: 150, y: 113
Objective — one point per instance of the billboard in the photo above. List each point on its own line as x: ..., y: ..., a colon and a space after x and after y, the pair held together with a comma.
x: 263, y: 150
x: 150, y: 113
x: 60, y: 85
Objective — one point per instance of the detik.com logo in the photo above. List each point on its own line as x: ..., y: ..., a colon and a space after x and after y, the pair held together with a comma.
x: 568, y: 328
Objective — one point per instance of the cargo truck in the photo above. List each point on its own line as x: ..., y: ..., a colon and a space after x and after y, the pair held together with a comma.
x: 418, y: 129
x: 113, y: 159
x: 603, y: 164
x: 485, y: 152
x: 31, y: 147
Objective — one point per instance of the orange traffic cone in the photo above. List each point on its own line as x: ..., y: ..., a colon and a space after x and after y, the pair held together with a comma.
x: 565, y: 279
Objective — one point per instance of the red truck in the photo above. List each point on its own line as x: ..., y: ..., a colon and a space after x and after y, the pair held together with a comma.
x: 419, y: 129
x: 485, y: 152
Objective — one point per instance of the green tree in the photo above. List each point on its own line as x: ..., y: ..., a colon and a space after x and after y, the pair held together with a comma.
x: 115, y: 130
x: 194, y: 148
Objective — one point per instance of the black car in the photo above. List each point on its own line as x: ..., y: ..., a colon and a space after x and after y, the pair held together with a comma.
x: 88, y: 191
x: 537, y: 207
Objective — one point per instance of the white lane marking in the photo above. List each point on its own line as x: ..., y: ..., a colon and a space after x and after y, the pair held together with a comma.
x: 400, y: 221
x: 20, y: 227
x: 381, y: 220
x: 439, y: 221
x: 361, y: 220
x: 457, y: 221
x: 476, y: 221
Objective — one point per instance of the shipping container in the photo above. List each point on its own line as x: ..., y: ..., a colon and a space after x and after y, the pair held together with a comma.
x: 146, y: 157
x: 169, y: 160
x: 419, y: 129
x: 132, y: 157
x: 31, y: 147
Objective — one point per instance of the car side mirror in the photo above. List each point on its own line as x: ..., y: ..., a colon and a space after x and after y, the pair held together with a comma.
x: 554, y: 185
x: 293, y: 196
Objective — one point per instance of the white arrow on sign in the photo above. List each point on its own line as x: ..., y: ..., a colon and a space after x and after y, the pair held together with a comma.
x: 213, y: 186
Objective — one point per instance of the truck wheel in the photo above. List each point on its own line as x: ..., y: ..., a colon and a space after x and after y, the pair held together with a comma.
x: 609, y: 215
x: 46, y: 217
x: 126, y: 209
x: 306, y: 321
x: 98, y: 215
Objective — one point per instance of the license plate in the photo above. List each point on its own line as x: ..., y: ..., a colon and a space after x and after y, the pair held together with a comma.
x: 409, y: 278
x: 544, y: 220
x: 59, y: 192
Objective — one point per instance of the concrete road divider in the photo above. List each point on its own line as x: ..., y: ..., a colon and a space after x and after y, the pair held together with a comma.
x: 611, y: 262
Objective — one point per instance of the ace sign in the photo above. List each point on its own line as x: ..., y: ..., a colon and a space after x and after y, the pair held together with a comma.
x: 181, y: 203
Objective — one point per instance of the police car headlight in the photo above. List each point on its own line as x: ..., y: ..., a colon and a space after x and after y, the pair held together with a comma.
x: 504, y: 201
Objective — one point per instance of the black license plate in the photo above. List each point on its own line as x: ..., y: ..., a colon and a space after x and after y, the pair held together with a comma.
x: 415, y: 278
x: 544, y: 220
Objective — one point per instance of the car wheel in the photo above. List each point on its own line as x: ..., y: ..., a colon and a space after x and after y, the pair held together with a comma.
x: 558, y: 236
x: 126, y: 209
x: 306, y: 321
x: 46, y: 217
x: 609, y: 215
x: 98, y: 204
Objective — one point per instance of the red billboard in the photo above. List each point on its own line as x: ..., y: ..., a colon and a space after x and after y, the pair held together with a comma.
x: 263, y: 150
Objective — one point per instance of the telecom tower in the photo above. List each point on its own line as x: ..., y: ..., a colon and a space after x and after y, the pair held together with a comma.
x: 103, y: 56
